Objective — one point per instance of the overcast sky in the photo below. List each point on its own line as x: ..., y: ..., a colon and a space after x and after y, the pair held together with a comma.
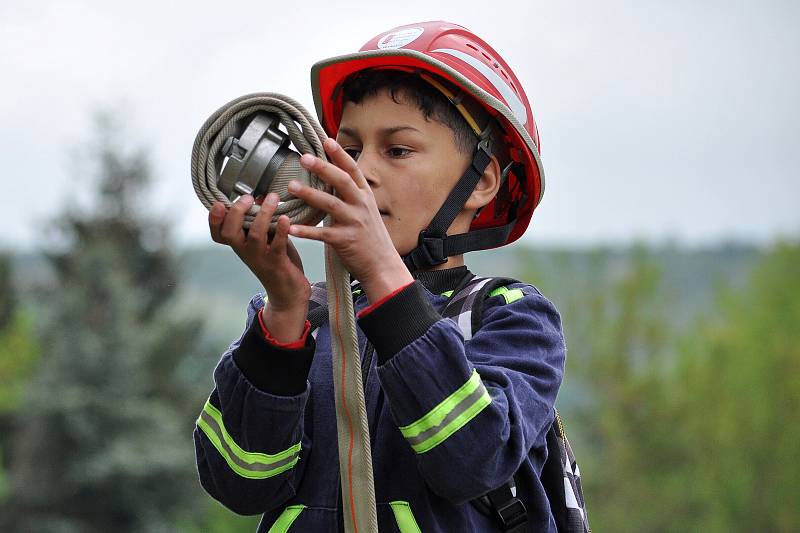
x: 659, y: 120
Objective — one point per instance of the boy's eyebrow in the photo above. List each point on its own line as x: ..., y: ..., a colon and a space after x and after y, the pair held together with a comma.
x: 384, y: 132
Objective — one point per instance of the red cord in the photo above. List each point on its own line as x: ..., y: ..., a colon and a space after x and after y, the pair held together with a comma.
x: 346, y: 409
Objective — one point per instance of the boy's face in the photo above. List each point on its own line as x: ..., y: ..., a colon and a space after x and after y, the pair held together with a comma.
x: 411, y: 163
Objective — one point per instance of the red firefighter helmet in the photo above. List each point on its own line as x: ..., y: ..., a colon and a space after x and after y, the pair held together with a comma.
x: 463, y: 59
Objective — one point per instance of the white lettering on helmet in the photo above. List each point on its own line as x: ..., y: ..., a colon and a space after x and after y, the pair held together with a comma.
x: 400, y: 38
x: 516, y: 105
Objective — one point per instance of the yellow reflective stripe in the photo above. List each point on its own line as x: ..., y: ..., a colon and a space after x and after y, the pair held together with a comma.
x: 406, y: 522
x: 252, y: 465
x: 285, y: 520
x: 453, y: 413
x: 509, y: 295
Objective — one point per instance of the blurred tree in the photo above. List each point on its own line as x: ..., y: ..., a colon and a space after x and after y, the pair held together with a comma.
x: 612, y: 306
x: 740, y: 412
x: 624, y: 336
x: 104, y: 440
x: 688, y: 432
x: 18, y: 354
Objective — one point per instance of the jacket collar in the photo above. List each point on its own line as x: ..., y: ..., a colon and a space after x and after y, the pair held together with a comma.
x: 439, y: 281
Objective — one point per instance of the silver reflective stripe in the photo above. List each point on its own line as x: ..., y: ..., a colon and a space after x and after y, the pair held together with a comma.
x: 251, y: 465
x: 265, y: 469
x: 457, y: 411
x: 514, y: 103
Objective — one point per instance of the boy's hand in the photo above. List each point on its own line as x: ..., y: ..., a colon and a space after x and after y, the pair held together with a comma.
x: 276, y: 263
x: 357, y: 233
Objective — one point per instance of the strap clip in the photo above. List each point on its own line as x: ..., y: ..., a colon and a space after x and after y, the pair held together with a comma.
x: 430, y: 251
x: 512, y: 514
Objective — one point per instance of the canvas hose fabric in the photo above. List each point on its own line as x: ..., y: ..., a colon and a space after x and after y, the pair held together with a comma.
x: 307, y: 136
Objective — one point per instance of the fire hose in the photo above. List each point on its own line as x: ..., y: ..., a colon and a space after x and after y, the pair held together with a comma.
x: 241, y: 149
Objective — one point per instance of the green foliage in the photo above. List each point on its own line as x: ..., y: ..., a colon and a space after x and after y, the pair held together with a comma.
x: 690, y: 429
x: 740, y: 373
x: 18, y: 350
x: 18, y: 354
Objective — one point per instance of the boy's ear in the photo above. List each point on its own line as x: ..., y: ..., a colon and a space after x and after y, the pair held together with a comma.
x: 487, y: 186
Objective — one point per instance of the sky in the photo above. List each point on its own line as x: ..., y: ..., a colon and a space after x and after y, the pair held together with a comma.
x: 660, y: 121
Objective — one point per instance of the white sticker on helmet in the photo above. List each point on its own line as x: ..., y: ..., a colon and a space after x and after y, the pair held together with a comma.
x: 398, y: 39
x: 516, y: 105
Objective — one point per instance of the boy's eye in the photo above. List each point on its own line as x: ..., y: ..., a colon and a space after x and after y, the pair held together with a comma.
x: 397, y: 151
x: 352, y: 152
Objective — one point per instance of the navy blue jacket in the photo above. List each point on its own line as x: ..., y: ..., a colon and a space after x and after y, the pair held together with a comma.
x: 266, y: 438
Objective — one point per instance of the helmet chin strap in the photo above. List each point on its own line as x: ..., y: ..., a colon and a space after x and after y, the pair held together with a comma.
x: 434, y: 245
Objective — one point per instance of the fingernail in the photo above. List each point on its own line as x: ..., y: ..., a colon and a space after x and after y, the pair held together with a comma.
x: 246, y: 199
x: 272, y: 198
x: 330, y: 143
x: 293, y: 186
x: 307, y: 160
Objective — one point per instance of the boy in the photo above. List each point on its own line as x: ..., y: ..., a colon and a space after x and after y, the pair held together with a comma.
x: 435, y: 155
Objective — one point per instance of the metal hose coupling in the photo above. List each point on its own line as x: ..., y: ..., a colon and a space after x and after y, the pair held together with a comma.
x: 241, y: 149
x: 244, y: 148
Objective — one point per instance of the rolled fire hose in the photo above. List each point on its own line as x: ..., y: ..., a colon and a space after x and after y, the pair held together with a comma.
x: 246, y: 133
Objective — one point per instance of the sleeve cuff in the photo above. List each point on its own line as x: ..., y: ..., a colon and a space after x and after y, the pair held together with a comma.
x: 273, y: 368
x: 294, y: 345
x: 410, y: 315
x: 372, y: 307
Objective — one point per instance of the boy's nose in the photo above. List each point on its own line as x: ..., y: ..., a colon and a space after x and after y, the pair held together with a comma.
x: 366, y: 162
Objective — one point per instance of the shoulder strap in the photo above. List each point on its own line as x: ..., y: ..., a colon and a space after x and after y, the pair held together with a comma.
x: 466, y: 304
x: 318, y: 304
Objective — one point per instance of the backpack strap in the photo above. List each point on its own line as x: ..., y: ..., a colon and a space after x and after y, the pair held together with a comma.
x: 318, y: 304
x: 466, y: 304
x: 503, y: 505
x: 560, y: 475
x: 317, y: 307
x: 466, y: 309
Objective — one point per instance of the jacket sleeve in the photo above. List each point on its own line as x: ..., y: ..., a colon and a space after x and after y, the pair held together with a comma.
x: 249, y: 438
x: 471, y: 411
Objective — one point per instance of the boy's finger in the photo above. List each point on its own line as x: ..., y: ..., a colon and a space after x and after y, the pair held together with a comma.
x: 257, y: 234
x: 278, y: 244
x: 232, y: 230
x: 343, y: 160
x: 334, y: 176
x: 319, y: 199
x: 314, y: 233
x: 215, y: 217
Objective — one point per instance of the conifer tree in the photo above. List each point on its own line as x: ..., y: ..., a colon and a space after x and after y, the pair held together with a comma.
x: 104, y: 440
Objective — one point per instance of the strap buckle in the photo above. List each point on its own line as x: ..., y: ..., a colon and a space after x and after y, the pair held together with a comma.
x: 432, y: 249
x: 512, y: 514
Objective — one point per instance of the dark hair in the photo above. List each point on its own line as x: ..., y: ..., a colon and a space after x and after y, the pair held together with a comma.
x: 416, y: 91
